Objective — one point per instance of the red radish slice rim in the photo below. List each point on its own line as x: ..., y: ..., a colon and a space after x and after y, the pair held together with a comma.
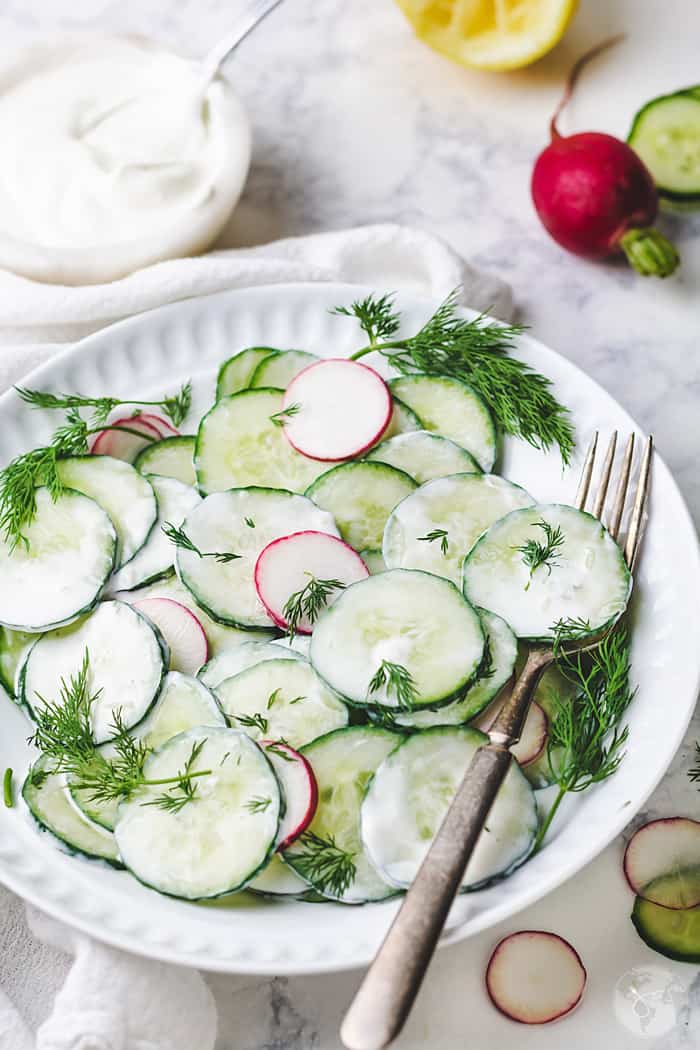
x: 159, y: 423
x: 127, y: 424
x: 646, y: 879
x: 268, y: 552
x: 533, y: 738
x: 508, y: 976
x: 291, y: 825
x: 294, y: 426
x: 187, y: 662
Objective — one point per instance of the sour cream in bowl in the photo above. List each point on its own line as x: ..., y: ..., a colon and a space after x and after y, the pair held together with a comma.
x: 113, y: 157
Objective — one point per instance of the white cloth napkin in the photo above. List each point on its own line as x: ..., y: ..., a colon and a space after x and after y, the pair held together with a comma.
x: 107, y: 999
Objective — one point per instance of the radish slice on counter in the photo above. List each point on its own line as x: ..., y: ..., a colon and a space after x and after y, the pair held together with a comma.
x: 535, y: 977
x: 533, y: 738
x: 125, y: 444
x: 335, y: 410
x: 662, y: 862
x: 182, y: 631
x: 287, y: 566
x: 299, y: 790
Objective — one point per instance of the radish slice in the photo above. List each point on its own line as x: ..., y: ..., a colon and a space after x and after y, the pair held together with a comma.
x: 337, y: 409
x: 535, y: 977
x: 299, y: 789
x: 533, y: 738
x: 287, y: 564
x: 162, y: 425
x: 182, y: 631
x: 662, y: 862
x: 125, y: 444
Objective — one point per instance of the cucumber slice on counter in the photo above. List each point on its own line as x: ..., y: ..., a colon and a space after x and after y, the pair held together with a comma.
x: 410, y: 794
x: 157, y: 557
x: 435, y: 527
x: 425, y: 456
x: 503, y: 648
x: 173, y: 457
x: 232, y: 661
x: 278, y: 370
x: 666, y: 135
x: 673, y: 932
x: 121, y: 491
x: 60, y: 573
x: 51, y: 805
x: 241, y: 442
x: 236, y: 373
x: 128, y: 661
x: 221, y: 523
x: 219, y: 840
x: 281, y: 699
x: 585, y: 580
x: 453, y: 409
x: 343, y: 763
x: 14, y: 646
x: 412, y: 619
x: 361, y: 496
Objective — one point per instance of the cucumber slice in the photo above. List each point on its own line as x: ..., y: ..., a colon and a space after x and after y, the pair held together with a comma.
x: 58, y: 575
x: 14, y: 646
x: 173, y: 457
x: 157, y: 557
x: 222, y: 523
x: 587, y: 580
x: 403, y: 420
x: 410, y: 794
x: 121, y: 491
x: 425, y: 456
x: 183, y: 704
x: 236, y: 373
x: 374, y: 560
x: 232, y: 661
x: 239, y: 443
x: 361, y: 496
x: 413, y: 619
x: 278, y: 370
x: 279, y: 880
x: 672, y: 932
x: 343, y: 763
x: 453, y: 409
x: 286, y: 698
x: 462, y: 506
x: 666, y: 135
x: 219, y: 636
x: 503, y: 647
x: 51, y: 805
x: 128, y: 660
x: 219, y: 840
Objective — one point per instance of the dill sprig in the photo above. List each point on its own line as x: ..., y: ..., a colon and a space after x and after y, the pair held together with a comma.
x: 256, y: 721
x: 277, y: 747
x: 477, y: 352
x: 568, y: 631
x: 328, y: 867
x: 175, y: 406
x: 488, y: 667
x: 397, y: 681
x: 257, y: 804
x: 186, y: 787
x: 586, y: 731
x: 179, y: 537
x: 279, y: 419
x: 309, y: 602
x: 546, y: 552
x: 437, y: 534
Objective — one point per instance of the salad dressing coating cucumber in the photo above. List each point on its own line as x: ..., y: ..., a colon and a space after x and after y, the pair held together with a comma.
x: 410, y: 794
x: 415, y: 623
x: 236, y: 373
x: 424, y: 455
x: 173, y: 457
x: 59, y: 574
x: 278, y: 370
x: 403, y: 419
x: 435, y: 527
x: 223, y: 837
x: 278, y: 879
x: 14, y: 646
x: 453, y: 409
x: 232, y: 661
x: 361, y: 496
x: 374, y: 560
x: 666, y: 135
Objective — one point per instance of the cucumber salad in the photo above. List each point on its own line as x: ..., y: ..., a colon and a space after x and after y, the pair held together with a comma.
x: 258, y: 650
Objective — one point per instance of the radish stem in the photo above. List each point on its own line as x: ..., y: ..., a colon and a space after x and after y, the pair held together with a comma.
x: 573, y: 77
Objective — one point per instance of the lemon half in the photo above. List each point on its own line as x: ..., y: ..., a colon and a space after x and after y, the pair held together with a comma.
x: 490, y: 34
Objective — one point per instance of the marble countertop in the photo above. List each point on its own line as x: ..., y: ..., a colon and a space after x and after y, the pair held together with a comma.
x: 357, y: 122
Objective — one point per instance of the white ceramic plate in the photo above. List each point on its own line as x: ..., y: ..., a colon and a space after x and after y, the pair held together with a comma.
x: 150, y: 355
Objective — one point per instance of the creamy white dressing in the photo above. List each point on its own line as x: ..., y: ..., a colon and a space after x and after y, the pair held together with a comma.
x: 114, y: 156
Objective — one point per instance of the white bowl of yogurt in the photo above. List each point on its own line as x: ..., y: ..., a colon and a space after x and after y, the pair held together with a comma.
x: 113, y: 158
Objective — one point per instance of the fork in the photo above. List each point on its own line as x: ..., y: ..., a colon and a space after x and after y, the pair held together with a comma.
x: 385, y: 997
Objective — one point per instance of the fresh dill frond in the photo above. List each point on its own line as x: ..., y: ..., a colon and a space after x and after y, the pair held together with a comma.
x: 437, y: 534
x: 279, y: 419
x: 257, y: 804
x: 179, y: 537
x: 256, y: 721
x: 397, y: 681
x: 250, y: 523
x: 328, y: 867
x: 175, y: 406
x: 273, y: 698
x: 279, y: 748
x: 568, y: 631
x: 488, y: 667
x: 185, y: 791
x: 377, y: 316
x: 18, y: 484
x: 546, y: 552
x: 309, y: 602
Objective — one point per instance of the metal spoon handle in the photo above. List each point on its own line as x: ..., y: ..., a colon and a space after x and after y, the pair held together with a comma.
x: 247, y: 18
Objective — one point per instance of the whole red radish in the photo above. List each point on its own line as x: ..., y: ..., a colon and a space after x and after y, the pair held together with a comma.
x: 596, y: 198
